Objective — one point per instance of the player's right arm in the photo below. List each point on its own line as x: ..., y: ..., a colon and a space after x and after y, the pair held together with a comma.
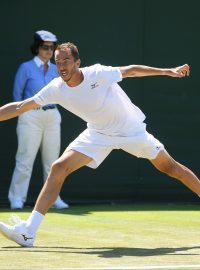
x: 14, y: 109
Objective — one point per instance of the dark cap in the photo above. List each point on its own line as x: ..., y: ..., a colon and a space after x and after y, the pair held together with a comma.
x: 45, y: 36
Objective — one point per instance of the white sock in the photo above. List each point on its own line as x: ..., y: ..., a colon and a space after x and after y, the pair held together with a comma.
x: 33, y: 222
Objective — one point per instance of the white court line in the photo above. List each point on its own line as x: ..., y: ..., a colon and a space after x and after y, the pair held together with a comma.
x: 186, y: 266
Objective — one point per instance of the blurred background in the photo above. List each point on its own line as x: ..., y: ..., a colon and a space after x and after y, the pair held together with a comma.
x: 151, y: 32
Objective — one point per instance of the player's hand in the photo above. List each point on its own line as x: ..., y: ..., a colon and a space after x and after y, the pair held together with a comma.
x: 180, y: 72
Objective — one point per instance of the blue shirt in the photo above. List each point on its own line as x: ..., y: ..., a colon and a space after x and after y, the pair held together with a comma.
x: 30, y: 78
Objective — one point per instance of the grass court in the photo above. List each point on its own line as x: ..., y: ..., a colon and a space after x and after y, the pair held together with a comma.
x: 120, y: 236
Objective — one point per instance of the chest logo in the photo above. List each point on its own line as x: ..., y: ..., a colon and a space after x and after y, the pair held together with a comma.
x: 94, y: 85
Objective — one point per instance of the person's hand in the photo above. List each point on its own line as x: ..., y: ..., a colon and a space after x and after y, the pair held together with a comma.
x: 180, y: 72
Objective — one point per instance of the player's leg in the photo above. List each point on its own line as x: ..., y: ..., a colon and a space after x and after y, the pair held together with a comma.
x: 145, y: 145
x: 24, y: 232
x: 94, y: 147
x: 69, y: 162
x: 166, y: 164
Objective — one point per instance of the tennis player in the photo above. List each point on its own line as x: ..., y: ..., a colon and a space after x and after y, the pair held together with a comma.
x: 113, y: 122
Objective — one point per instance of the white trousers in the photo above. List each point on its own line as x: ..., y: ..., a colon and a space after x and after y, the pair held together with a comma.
x: 35, y: 129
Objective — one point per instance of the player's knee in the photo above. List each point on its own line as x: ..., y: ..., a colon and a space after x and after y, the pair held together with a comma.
x: 60, y: 169
x: 171, y: 169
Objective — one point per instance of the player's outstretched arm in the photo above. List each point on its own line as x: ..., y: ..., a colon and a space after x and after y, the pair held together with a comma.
x: 14, y: 109
x: 141, y: 71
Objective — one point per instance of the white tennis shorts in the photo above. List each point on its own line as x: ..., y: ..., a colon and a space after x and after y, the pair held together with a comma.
x: 98, y: 146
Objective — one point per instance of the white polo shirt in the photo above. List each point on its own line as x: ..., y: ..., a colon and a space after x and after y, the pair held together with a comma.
x: 98, y: 100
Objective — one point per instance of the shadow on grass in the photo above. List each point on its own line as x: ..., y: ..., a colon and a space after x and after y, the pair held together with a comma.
x: 114, y: 207
x: 107, y: 252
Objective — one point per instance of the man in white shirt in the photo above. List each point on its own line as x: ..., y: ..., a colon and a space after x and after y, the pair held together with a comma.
x: 113, y: 122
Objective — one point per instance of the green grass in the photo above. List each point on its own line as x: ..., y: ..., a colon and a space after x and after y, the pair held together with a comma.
x: 109, y: 236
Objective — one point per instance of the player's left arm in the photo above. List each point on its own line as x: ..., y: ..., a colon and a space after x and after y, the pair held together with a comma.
x: 141, y: 71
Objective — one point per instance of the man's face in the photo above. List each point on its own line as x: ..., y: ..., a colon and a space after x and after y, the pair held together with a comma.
x: 66, y: 64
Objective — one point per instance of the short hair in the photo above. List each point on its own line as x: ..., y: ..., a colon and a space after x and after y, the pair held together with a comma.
x: 71, y: 46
